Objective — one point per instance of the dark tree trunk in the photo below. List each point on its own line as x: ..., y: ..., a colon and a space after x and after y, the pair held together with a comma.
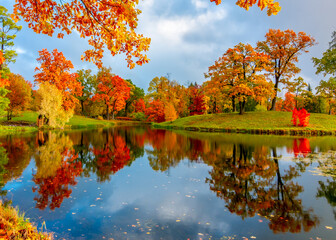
x: 108, y: 112
x: 276, y: 93
x: 242, y: 107
x: 82, y: 105
x: 233, y: 104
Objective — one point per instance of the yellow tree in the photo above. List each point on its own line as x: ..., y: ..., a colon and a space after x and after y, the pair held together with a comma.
x: 283, y: 48
x: 52, y: 105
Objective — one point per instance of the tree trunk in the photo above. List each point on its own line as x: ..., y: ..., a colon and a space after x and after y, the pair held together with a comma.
x: 233, y: 104
x: 82, y: 105
x: 242, y: 107
x: 108, y: 112
x: 276, y: 93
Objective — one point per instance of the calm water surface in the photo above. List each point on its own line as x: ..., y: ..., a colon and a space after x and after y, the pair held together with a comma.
x: 141, y: 183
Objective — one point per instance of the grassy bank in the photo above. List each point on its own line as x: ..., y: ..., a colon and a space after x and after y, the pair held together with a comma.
x: 26, y: 122
x: 254, y: 122
x: 14, y: 226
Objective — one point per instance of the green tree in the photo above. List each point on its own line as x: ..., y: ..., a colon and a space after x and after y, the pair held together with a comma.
x: 8, y: 29
x: 136, y: 94
x: 89, y: 83
x: 327, y: 89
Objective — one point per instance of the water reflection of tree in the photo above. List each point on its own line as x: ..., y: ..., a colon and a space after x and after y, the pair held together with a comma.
x: 3, y: 171
x: 250, y: 182
x: 57, y: 169
x: 327, y: 189
x: 112, y: 156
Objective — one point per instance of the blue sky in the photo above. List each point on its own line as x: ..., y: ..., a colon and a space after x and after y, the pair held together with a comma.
x: 188, y: 36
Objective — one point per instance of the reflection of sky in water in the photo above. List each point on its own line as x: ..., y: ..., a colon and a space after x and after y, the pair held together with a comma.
x: 139, y: 203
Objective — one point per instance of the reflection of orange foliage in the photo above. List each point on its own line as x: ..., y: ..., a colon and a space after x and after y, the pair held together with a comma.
x: 52, y: 190
x: 303, y: 117
x: 113, y: 157
x: 303, y: 148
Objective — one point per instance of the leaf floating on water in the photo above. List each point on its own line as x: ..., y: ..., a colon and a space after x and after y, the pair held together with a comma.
x: 253, y: 237
x: 178, y: 220
x: 92, y: 205
x: 200, y: 234
x: 260, y: 220
x: 188, y: 196
x: 328, y: 227
x: 136, y: 209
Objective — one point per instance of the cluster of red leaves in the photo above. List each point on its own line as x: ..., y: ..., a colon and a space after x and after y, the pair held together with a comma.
x: 55, y: 69
x: 155, y: 111
x: 52, y: 190
x: 197, y: 105
x: 301, y: 149
x: 139, y: 106
x: 303, y: 117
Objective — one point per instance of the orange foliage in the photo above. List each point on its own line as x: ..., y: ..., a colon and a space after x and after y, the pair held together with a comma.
x: 155, y: 111
x: 272, y: 7
x: 139, y: 106
x: 197, y: 104
x: 113, y: 91
x: 3, y: 82
x: 55, y: 69
x: 107, y: 24
x: 289, y: 103
x: 19, y: 95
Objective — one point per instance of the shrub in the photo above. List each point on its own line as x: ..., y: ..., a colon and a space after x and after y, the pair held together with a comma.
x: 260, y: 108
x: 138, y: 116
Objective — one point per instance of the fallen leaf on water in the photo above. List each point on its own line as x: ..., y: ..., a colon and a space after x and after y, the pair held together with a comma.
x: 328, y: 227
x: 178, y: 220
x: 260, y: 220
x: 201, y: 234
x: 253, y: 237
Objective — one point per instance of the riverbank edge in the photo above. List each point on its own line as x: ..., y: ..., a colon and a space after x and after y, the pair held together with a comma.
x: 14, y: 225
x: 256, y: 131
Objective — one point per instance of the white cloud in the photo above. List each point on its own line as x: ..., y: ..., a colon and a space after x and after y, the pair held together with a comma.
x: 20, y: 50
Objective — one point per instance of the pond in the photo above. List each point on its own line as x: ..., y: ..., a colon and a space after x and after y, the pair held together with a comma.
x: 143, y: 183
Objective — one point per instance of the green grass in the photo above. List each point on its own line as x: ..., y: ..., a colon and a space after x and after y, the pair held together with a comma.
x: 76, y: 122
x: 252, y: 122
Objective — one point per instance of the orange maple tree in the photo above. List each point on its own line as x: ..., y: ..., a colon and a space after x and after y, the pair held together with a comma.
x: 155, y: 111
x: 139, y: 105
x: 112, y: 90
x: 272, y: 7
x: 106, y: 23
x: 289, y: 102
x: 55, y: 69
x: 283, y: 48
x: 20, y: 92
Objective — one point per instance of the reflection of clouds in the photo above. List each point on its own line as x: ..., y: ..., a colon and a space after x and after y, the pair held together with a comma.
x: 172, y: 201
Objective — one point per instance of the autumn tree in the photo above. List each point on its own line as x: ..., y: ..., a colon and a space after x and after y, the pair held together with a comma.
x: 283, y: 49
x: 51, y: 106
x: 20, y: 92
x: 196, y: 102
x: 327, y: 89
x: 106, y: 24
x: 159, y: 89
x: 112, y: 90
x: 155, y: 111
x: 55, y: 69
x: 272, y: 7
x: 297, y: 87
x: 89, y: 84
x: 8, y: 29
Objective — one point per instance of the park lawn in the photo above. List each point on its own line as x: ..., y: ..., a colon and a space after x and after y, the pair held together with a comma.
x: 76, y: 122
x: 252, y: 120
